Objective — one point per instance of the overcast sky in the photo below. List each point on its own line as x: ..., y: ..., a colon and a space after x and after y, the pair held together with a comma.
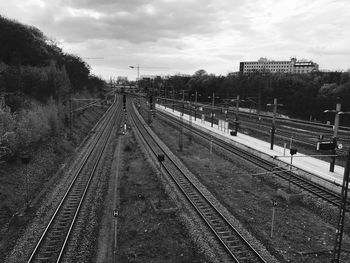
x: 182, y: 36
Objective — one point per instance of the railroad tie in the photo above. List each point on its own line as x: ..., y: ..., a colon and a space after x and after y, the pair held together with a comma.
x: 225, y: 233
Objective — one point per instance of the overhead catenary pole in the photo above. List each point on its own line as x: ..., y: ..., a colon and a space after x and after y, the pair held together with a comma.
x: 237, y: 113
x: 195, y: 105
x: 70, y: 114
x: 259, y: 105
x: 212, y: 110
x: 273, y: 128
x: 335, y: 134
x: 342, y: 210
x: 237, y: 107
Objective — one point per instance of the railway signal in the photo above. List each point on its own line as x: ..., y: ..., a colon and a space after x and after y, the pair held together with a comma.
x: 293, y: 151
x: 124, y: 102
x: 151, y: 102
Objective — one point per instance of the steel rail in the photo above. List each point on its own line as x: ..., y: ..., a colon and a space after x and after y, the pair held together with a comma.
x: 81, y: 190
x: 288, y: 176
x: 266, y: 121
x: 237, y: 247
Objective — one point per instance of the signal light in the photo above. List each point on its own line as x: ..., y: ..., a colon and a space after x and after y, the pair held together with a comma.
x: 151, y: 102
x: 124, y: 102
x: 293, y: 151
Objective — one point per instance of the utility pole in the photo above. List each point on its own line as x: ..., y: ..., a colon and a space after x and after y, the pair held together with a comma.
x: 70, y: 114
x: 342, y: 210
x: 181, y: 128
x: 273, y: 128
x: 259, y: 105
x: 335, y: 134
x: 181, y: 119
x: 237, y: 113
x: 195, y: 105
x: 212, y: 109
x: 25, y: 160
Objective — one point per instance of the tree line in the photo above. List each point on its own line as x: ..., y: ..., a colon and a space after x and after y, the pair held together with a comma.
x: 32, y: 65
x: 303, y: 96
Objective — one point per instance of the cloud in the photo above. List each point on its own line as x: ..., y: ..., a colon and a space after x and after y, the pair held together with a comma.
x: 186, y: 35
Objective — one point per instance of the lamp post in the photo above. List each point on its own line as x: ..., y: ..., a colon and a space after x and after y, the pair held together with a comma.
x: 273, y: 128
x: 335, y: 133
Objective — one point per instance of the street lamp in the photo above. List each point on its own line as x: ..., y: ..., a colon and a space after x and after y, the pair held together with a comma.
x: 138, y: 73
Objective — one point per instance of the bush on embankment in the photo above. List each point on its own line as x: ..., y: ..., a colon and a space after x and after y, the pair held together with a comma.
x: 25, y: 128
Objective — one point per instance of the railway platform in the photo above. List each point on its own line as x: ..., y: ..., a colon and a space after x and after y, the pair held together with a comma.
x: 315, y: 169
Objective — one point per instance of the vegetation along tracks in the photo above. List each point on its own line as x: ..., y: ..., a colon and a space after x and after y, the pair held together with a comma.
x: 237, y: 247
x: 53, y: 241
x: 295, y: 179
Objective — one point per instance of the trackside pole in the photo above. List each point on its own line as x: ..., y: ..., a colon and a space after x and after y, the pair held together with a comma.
x: 342, y: 210
x: 274, y: 204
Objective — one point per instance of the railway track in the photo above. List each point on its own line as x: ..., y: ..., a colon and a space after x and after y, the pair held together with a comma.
x: 286, y: 175
x: 237, y: 248
x: 303, y: 132
x: 54, y: 239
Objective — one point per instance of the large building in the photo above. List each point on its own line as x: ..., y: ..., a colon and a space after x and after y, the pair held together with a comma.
x: 265, y: 65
